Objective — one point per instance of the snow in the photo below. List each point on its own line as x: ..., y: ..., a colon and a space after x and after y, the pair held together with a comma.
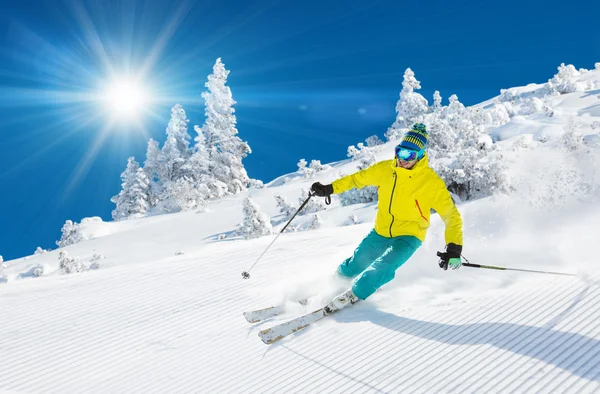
x: 163, y: 312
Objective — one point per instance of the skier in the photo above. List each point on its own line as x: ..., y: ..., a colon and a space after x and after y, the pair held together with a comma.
x: 407, y: 189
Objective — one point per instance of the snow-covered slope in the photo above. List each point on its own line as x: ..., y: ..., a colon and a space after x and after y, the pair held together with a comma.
x: 163, y: 313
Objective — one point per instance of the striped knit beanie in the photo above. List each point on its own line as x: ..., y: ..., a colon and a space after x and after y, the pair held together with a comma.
x: 415, y: 139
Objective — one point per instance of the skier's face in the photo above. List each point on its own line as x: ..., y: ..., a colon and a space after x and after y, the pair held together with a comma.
x: 406, y: 164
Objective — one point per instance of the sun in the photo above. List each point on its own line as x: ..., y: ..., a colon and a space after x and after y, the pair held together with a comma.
x: 125, y: 98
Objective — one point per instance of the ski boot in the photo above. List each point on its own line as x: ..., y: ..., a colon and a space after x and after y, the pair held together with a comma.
x: 341, y: 301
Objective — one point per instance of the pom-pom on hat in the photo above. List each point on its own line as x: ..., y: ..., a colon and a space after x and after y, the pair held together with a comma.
x: 416, y: 139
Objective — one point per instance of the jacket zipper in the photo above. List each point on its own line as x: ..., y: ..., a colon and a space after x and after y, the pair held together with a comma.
x: 421, y: 212
x: 391, y: 199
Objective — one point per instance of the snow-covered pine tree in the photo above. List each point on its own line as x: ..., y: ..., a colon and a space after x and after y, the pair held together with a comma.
x: 565, y: 81
x: 572, y: 139
x: 373, y: 140
x: 132, y: 200
x: 311, y: 170
x: 359, y: 196
x: 226, y: 149
x: 500, y: 114
x: 284, y: 206
x: 71, y: 234
x: 197, y: 169
x: 314, y: 205
x: 437, y: 101
x: 152, y: 169
x: 461, y: 153
x: 152, y: 163
x: 317, y: 167
x: 306, y: 172
x: 411, y: 108
x: 315, y: 223
x: 256, y: 224
x: 256, y: 184
x: 69, y: 264
x: 183, y: 195
x: 174, y: 152
x: 364, y: 154
x: 39, y: 251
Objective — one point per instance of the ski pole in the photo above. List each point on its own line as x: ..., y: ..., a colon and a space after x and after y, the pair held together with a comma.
x: 246, y: 274
x: 493, y: 267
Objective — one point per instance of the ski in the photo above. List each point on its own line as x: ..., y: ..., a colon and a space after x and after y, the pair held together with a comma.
x: 267, y: 313
x: 282, y: 330
x: 275, y: 333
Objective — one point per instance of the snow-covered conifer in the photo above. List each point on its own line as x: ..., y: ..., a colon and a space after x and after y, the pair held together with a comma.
x: 373, y: 140
x: 572, y: 139
x: 442, y: 137
x: 531, y: 106
x: 256, y: 224
x: 39, y: 251
x: 359, y: 196
x: 565, y: 81
x: 94, y: 263
x: 473, y: 173
x: 256, y: 184
x: 132, y: 200
x: 480, y: 117
x: 69, y: 264
x: 314, y: 205
x: 500, y: 114
x: 284, y: 206
x: 362, y: 153
x: 317, y: 167
x: 183, y: 195
x: 315, y: 223
x: 303, y: 169
x: 37, y: 271
x: 437, y: 101
x: 353, y: 219
x: 507, y: 95
x: 152, y: 170
x: 174, y: 152
x: 411, y: 107
x: 226, y: 149
x: 597, y: 66
x: 152, y: 163
x: 71, y: 234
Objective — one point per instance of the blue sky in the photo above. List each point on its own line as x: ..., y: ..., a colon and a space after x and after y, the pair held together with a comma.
x: 310, y: 78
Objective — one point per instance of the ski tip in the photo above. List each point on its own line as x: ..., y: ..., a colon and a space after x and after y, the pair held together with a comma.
x: 266, y: 336
x: 249, y: 318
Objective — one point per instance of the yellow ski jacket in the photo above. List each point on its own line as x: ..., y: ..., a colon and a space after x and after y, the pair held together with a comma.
x: 406, y: 198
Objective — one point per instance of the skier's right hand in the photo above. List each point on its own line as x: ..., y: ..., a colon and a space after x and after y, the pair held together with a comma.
x: 321, y: 190
x: 451, y: 258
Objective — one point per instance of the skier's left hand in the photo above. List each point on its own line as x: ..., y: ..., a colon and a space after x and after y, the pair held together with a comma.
x: 451, y: 258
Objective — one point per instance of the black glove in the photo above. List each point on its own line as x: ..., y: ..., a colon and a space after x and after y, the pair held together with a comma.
x: 453, y: 251
x: 321, y: 190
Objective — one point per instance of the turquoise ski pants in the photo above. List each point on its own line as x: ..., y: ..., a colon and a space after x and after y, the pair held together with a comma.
x: 376, y: 260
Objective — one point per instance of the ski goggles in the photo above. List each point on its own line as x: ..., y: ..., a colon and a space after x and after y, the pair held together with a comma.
x: 406, y: 154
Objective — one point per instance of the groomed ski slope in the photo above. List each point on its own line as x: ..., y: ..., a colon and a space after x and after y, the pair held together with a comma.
x: 163, y: 313
x: 176, y: 325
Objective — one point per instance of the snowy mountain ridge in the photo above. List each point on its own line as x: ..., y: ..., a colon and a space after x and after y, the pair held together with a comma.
x: 163, y: 310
